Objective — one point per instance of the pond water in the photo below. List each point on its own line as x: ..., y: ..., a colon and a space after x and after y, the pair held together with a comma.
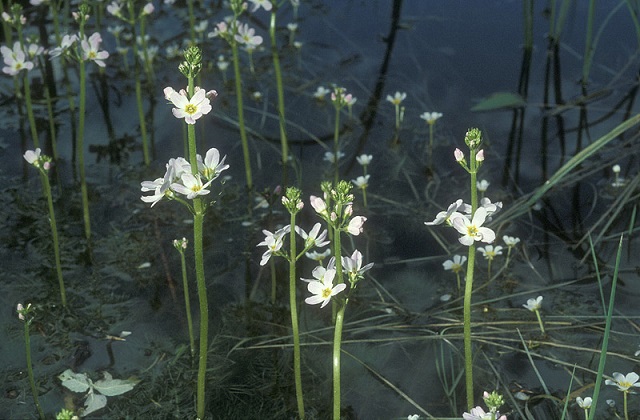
x: 402, y: 340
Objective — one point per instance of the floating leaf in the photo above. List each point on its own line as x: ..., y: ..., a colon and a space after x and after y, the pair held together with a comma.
x: 93, y: 402
x: 110, y: 387
x: 76, y: 382
x: 500, y: 100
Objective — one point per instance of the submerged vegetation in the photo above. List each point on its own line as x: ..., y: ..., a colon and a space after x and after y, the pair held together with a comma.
x: 306, y: 179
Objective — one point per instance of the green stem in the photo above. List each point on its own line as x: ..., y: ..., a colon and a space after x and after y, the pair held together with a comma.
x: 337, y: 340
x: 54, y: 234
x: 284, y: 145
x: 468, y: 289
x: 294, y: 317
x: 192, y: 22
x: 32, y: 382
x: 198, y: 219
x: 364, y: 197
x: 272, y: 267
x: 80, y: 150
x: 626, y: 412
x: 243, y: 131
x: 29, y: 105
x: 187, y: 304
x: 540, y: 321
x: 336, y: 148
x: 138, y: 84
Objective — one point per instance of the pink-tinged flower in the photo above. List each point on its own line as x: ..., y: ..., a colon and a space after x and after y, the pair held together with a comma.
x: 115, y: 8
x: 265, y: 4
x: 323, y: 290
x: 192, y: 109
x: 472, y: 230
x: 479, y: 414
x: 318, y: 205
x: 355, y: 225
x: 221, y: 29
x: 273, y: 242
x: 15, y: 60
x: 246, y: 36
x: 458, y: 155
x: 314, y: 237
x: 212, y: 165
x: 480, y: 155
x: 191, y: 186
x: 90, y: 49
x: 448, y: 215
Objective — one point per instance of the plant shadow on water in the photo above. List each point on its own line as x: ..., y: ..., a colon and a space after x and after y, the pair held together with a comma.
x: 544, y: 110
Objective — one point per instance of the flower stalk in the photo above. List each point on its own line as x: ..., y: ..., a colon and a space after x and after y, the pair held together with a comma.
x: 284, y: 144
x: 180, y: 245
x: 24, y: 315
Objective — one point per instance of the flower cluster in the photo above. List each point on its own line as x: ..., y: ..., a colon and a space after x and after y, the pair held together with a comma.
x: 89, y: 48
x: 493, y: 401
x: 16, y: 59
x: 37, y: 159
x: 337, y: 208
x: 321, y: 286
x: 178, y: 178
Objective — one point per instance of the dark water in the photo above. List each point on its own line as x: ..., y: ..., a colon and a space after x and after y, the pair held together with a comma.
x: 447, y: 57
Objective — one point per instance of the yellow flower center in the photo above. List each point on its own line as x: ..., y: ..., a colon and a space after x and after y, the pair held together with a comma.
x: 196, y: 188
x: 190, y: 109
x: 625, y: 384
x: 326, y: 293
x: 472, y: 231
x: 456, y: 268
x: 92, y: 55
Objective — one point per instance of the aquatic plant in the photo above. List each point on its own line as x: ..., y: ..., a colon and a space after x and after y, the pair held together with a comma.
x: 25, y: 315
x: 43, y: 163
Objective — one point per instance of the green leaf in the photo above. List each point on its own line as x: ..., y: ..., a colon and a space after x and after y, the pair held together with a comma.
x: 500, y: 100
x: 93, y: 402
x: 76, y: 382
x: 110, y: 387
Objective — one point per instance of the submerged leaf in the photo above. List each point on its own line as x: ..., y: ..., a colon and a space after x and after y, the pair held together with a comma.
x: 111, y: 387
x: 76, y: 382
x: 500, y: 100
x: 93, y: 402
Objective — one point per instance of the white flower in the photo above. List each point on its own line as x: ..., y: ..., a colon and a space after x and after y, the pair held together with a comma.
x: 397, y: 98
x: 32, y: 156
x: 624, y: 383
x: 318, y: 256
x: 364, y: 160
x: 586, y: 403
x: 321, y: 92
x: 189, y: 109
x: 90, y: 50
x: 330, y: 157
x: 212, y: 165
x: 16, y: 59
x: 312, y: 238
x: 273, y: 242
x: 458, y: 154
x: 353, y: 265
x: 482, y: 185
x: 265, y: 4
x: 472, y: 230
x: 323, y: 290
x: 489, y: 252
x: 355, y: 225
x: 431, y: 117
x: 448, y: 215
x: 191, y: 186
x: 361, y: 181
x: 616, y: 169
x: 533, y: 304
x: 455, y: 264
x: 246, y: 36
x: 510, y: 241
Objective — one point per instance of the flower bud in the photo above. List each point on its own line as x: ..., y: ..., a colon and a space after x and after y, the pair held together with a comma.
x: 458, y: 155
x: 480, y: 155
